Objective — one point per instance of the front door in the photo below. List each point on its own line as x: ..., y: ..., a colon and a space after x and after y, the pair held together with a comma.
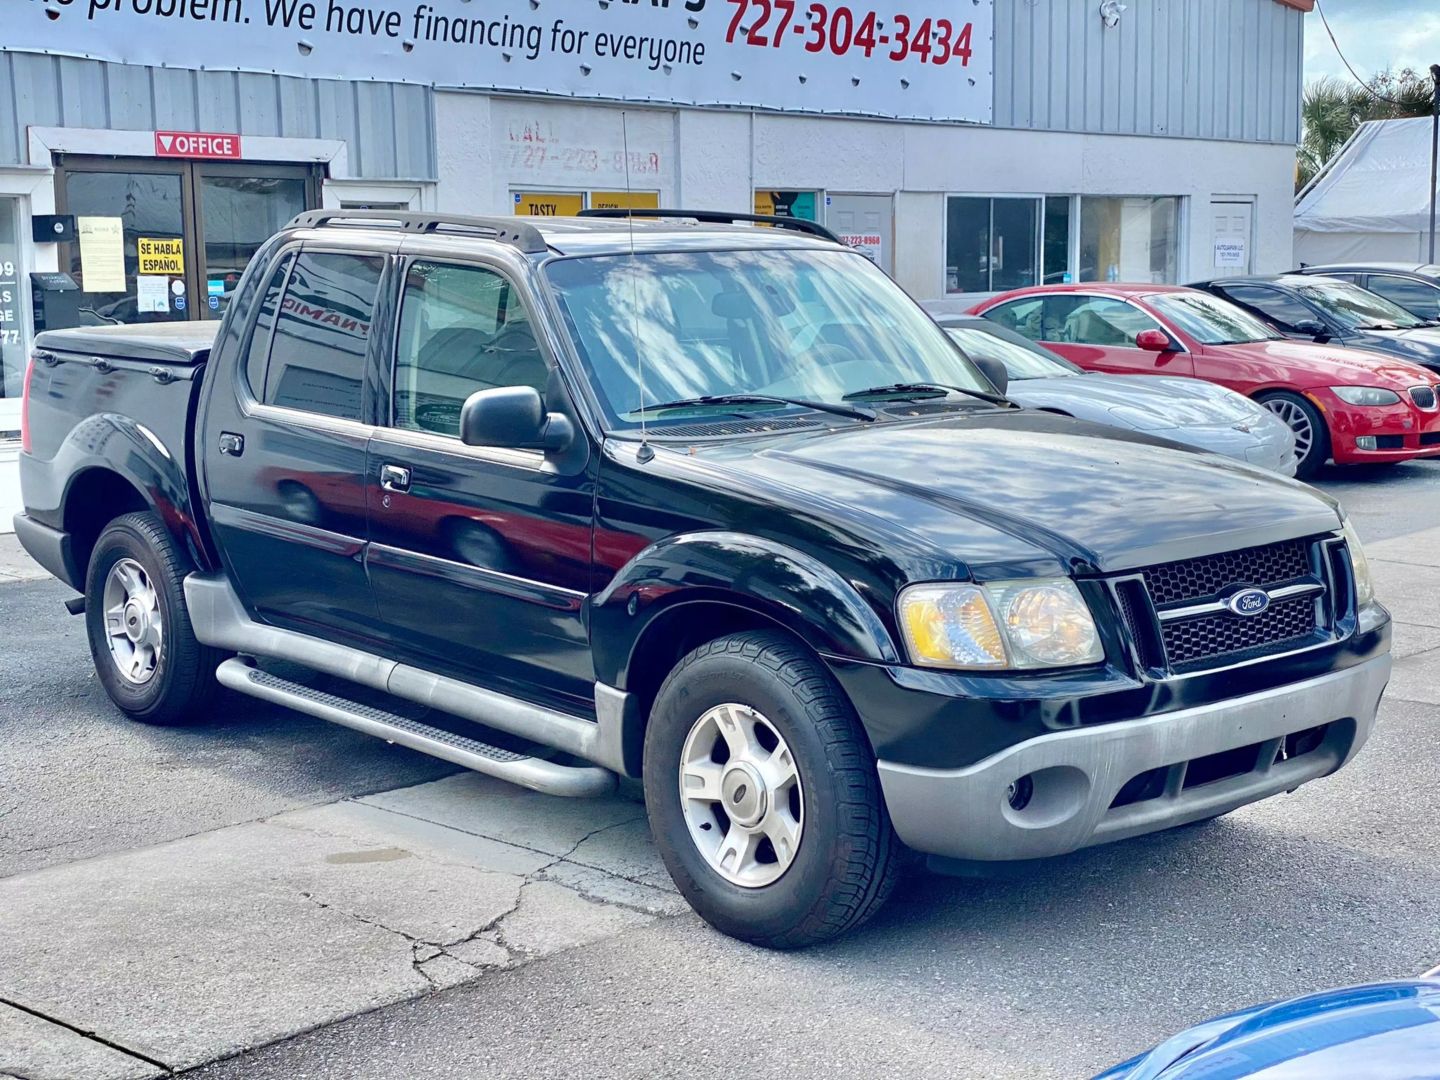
x: 866, y: 223
x: 167, y: 240
x: 480, y: 558
x: 1231, y: 224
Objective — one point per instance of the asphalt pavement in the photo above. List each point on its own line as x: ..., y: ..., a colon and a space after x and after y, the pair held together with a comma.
x: 267, y: 896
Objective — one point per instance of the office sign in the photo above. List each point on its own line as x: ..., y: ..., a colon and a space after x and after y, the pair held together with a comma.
x: 197, y: 144
x: 922, y: 59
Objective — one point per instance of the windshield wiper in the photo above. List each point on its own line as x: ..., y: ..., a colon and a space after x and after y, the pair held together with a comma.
x: 915, y: 389
x: 852, y: 411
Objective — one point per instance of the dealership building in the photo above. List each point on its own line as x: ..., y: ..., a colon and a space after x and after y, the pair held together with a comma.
x: 147, y: 147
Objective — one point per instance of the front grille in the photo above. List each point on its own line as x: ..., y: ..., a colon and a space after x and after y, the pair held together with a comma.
x: 1424, y: 397
x: 1209, y: 575
x: 1430, y: 438
x: 1218, y: 636
x: 1226, y: 637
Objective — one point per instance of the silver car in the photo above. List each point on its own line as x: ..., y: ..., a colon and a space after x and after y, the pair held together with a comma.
x: 1189, y: 411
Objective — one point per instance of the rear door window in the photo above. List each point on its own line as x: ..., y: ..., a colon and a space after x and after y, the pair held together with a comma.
x: 322, y: 333
x: 257, y: 352
x: 1417, y: 297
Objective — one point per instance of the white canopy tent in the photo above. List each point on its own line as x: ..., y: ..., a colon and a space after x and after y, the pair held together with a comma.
x: 1372, y: 201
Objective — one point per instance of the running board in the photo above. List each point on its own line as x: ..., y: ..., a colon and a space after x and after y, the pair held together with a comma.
x: 612, y: 740
x: 537, y: 774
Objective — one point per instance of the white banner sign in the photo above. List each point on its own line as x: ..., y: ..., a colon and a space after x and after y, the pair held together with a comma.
x: 919, y: 59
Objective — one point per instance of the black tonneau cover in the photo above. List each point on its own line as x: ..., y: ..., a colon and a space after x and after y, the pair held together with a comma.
x: 186, y: 343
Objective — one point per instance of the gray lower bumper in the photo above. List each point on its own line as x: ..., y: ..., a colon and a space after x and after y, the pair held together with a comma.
x: 1077, y: 774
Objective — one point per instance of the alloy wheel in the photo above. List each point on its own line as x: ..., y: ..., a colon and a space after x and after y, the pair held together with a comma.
x: 134, y: 627
x: 741, y: 795
x: 1297, y: 420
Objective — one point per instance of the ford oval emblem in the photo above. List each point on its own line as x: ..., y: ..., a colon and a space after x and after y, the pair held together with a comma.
x: 1249, y: 602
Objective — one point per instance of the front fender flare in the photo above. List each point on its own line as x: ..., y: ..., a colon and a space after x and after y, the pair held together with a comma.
x: 790, y: 587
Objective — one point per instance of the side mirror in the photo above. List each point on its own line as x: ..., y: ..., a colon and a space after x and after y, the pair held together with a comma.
x: 1154, y: 341
x: 993, y: 370
x: 513, y: 417
x: 1313, y: 328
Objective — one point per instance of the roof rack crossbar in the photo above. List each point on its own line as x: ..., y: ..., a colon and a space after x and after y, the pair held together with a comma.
x: 516, y: 233
x: 719, y: 217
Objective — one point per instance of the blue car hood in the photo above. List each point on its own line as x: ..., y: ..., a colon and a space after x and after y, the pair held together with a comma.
x: 1384, y: 1031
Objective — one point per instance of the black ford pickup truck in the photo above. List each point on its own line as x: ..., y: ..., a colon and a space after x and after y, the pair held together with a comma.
x: 710, y: 505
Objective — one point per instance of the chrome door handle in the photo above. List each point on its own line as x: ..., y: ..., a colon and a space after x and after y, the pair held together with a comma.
x: 394, y: 478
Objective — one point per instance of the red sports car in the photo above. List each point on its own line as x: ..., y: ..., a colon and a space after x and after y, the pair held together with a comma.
x: 1347, y: 404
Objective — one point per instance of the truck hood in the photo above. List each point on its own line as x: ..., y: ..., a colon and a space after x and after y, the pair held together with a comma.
x: 1096, y: 498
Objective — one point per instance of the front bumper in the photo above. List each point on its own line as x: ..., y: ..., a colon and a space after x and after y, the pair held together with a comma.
x: 1268, y: 445
x: 1400, y: 432
x: 1232, y: 747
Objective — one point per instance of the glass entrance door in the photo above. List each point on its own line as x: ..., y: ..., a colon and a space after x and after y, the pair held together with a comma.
x: 159, y: 241
x: 240, y: 208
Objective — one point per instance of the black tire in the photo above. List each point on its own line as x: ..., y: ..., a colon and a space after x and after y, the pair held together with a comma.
x: 848, y: 858
x: 1286, y: 405
x: 182, y: 683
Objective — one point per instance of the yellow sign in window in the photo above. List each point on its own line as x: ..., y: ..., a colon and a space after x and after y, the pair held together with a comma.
x: 625, y: 200
x: 160, y: 256
x: 549, y: 203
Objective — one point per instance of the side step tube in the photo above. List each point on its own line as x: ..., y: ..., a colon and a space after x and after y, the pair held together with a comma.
x: 578, y: 781
x: 220, y: 620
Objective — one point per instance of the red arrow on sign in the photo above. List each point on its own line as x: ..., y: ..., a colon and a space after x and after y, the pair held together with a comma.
x: 196, y: 144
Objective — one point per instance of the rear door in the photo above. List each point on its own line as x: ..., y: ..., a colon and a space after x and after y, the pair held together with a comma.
x: 284, y: 442
x: 480, y: 557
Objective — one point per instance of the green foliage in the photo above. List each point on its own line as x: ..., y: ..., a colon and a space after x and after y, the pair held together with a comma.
x: 1332, y: 108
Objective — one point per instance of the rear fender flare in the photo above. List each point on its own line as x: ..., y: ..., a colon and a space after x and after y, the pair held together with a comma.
x: 787, y: 586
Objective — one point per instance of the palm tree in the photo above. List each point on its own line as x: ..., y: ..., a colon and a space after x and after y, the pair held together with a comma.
x: 1331, y: 109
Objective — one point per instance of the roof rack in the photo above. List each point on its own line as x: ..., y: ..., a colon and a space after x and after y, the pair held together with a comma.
x: 517, y: 233
x: 720, y: 217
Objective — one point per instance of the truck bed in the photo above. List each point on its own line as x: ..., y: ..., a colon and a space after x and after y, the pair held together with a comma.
x: 112, y: 401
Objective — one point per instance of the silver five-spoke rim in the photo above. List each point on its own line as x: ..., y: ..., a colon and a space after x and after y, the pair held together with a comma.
x: 1298, y: 420
x: 134, y: 628
x: 741, y: 794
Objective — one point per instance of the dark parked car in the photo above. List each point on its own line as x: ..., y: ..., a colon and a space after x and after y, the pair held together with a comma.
x: 1334, y: 312
x: 1414, y: 288
x: 716, y: 507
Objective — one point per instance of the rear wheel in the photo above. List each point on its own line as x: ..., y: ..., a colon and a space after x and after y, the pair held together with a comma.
x: 1312, y: 438
x: 144, y: 648
x: 763, y: 796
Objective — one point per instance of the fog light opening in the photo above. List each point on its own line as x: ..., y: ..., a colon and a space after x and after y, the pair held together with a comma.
x: 1019, y: 793
x: 1365, y: 442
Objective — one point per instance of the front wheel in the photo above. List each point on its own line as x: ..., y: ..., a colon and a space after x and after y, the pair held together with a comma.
x: 1312, y: 438
x: 145, y: 651
x: 763, y: 796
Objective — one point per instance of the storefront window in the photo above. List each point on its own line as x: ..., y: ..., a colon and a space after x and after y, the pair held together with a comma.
x: 1056, y: 251
x: 1129, y: 239
x: 13, y: 346
x: 991, y: 244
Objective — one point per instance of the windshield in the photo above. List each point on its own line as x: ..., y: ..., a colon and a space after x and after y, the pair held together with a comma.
x: 797, y: 323
x: 1022, y: 359
x: 1355, y: 308
x: 1211, y: 320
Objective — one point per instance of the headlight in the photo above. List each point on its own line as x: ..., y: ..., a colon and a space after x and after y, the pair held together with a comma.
x: 1359, y: 565
x: 1036, y: 623
x: 1365, y: 395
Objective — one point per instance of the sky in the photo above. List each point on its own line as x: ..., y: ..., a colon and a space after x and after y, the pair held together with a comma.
x: 1375, y: 34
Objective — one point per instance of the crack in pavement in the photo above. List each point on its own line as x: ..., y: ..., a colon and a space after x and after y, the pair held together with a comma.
x: 423, y: 951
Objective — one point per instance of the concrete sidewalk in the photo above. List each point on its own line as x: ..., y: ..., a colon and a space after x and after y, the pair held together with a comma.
x: 10, y: 503
x: 166, y: 957
x: 15, y: 564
